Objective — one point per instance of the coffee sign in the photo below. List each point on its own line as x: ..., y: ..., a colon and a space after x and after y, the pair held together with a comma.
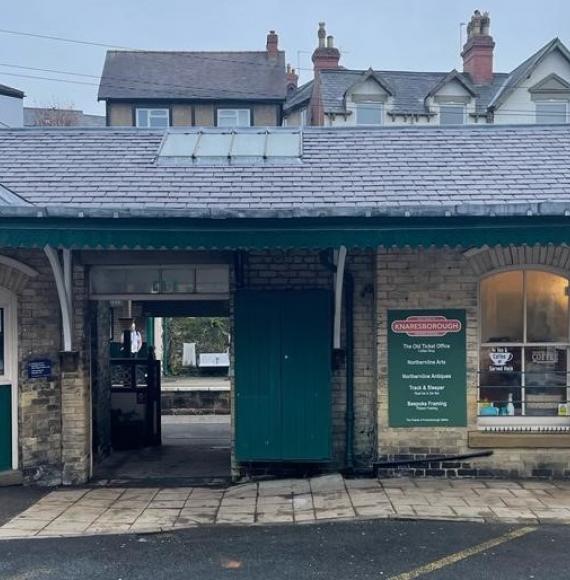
x: 427, y: 368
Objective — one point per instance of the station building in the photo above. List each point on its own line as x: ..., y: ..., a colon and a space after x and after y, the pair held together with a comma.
x: 394, y: 295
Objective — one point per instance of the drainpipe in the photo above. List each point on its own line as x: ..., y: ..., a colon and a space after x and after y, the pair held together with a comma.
x: 349, y: 306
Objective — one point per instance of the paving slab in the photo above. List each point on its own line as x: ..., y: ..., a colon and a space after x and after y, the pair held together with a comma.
x: 71, y: 512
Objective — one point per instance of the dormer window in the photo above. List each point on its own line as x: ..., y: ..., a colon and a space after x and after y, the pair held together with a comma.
x: 452, y: 114
x: 552, y: 112
x: 369, y: 113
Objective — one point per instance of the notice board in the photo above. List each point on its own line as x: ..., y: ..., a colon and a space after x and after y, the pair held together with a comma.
x: 427, y: 375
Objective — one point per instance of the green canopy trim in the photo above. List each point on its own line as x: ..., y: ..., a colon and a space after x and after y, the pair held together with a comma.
x: 220, y: 234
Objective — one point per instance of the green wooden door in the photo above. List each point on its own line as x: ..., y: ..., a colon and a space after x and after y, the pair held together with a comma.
x: 283, y: 375
x: 5, y: 427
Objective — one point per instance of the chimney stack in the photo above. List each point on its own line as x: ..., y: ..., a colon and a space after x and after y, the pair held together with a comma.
x: 272, y: 43
x: 292, y: 79
x: 325, y: 56
x: 478, y: 50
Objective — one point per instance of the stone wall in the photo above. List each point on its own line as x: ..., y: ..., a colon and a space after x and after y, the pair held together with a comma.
x: 449, y: 278
x: 53, y: 415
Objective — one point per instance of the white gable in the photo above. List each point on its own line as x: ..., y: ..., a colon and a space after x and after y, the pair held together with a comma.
x: 519, y: 106
x: 453, y: 89
x: 368, y: 87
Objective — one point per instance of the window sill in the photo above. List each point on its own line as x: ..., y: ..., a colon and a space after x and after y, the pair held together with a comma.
x: 503, y: 440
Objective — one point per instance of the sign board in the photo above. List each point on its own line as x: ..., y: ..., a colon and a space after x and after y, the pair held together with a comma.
x: 39, y: 369
x: 214, y: 359
x: 427, y: 382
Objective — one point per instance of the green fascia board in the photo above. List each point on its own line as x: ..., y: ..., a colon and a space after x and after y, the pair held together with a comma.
x: 245, y: 233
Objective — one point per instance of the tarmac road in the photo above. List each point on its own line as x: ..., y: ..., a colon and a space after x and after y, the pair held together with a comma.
x: 337, y: 551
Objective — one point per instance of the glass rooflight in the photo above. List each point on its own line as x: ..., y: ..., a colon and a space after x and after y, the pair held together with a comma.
x: 202, y: 146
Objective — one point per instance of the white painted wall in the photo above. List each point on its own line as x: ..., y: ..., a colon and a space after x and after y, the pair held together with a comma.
x: 519, y: 108
x: 11, y: 111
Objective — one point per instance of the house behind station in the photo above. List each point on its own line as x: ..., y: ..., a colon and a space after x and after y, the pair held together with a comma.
x: 538, y: 90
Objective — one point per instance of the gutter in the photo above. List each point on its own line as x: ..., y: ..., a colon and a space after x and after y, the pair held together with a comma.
x: 544, y: 209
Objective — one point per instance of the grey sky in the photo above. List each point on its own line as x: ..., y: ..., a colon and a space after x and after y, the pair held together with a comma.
x: 395, y: 34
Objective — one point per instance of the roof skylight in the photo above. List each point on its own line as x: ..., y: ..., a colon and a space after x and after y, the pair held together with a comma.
x: 234, y: 146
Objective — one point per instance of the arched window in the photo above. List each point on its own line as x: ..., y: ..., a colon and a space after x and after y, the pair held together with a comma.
x: 524, y: 344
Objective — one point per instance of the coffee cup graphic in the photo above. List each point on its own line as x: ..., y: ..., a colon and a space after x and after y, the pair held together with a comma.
x: 500, y: 358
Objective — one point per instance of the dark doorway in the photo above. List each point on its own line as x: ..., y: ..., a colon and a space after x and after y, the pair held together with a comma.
x: 189, y: 442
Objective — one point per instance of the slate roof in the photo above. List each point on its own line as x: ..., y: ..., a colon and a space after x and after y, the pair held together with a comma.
x: 409, y: 88
x: 10, y: 199
x: 193, y: 75
x: 299, y: 97
x: 344, y: 172
x: 11, y: 92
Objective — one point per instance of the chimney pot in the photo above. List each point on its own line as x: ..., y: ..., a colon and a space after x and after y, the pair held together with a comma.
x: 322, y: 33
x: 325, y: 56
x: 292, y: 79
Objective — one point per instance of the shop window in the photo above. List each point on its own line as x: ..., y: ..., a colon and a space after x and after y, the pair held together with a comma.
x: 523, y: 362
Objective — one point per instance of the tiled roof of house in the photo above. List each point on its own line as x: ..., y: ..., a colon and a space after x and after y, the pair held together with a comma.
x: 344, y: 172
x: 193, y: 75
x: 408, y: 88
x: 11, y: 92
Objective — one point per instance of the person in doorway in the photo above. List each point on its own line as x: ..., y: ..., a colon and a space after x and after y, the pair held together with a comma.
x: 136, y: 340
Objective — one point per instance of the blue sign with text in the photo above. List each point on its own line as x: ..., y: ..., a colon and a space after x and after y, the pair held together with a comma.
x: 39, y: 369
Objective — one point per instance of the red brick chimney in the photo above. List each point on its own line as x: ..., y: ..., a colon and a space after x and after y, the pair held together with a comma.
x: 325, y: 56
x: 478, y: 50
x: 292, y: 79
x: 272, y: 43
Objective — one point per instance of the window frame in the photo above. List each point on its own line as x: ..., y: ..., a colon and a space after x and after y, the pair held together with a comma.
x: 461, y: 106
x: 149, y: 111
x: 523, y: 421
x: 375, y: 104
x: 237, y: 111
x: 548, y: 102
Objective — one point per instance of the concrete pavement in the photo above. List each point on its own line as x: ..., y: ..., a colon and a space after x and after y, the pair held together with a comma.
x: 110, y: 510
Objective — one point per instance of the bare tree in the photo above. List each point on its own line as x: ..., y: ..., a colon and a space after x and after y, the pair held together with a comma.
x: 55, y: 116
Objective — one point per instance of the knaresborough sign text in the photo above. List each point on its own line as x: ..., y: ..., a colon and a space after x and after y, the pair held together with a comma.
x: 427, y: 381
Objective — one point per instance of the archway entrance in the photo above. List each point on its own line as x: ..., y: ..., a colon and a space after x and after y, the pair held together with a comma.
x: 161, y: 388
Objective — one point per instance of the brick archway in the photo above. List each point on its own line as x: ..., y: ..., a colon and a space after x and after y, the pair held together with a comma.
x: 487, y: 259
